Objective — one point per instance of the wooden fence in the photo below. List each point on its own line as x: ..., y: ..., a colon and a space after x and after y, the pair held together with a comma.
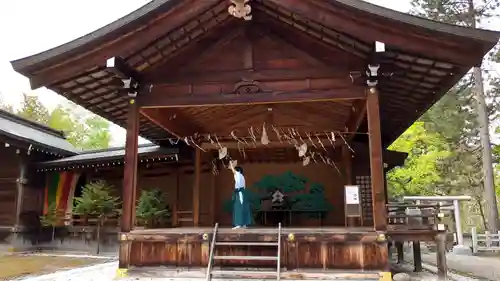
x: 486, y: 242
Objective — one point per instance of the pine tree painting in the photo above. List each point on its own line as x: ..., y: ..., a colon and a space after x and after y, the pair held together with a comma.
x: 300, y: 194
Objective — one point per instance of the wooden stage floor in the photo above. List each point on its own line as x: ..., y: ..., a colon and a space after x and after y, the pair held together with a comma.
x: 255, y: 230
x: 335, y: 248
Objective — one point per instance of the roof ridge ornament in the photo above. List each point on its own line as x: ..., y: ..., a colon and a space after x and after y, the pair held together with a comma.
x: 240, y: 9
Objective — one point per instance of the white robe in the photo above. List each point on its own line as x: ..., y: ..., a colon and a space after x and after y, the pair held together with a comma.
x: 239, y: 182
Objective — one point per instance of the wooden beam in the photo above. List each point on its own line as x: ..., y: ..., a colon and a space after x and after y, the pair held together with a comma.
x: 196, y: 187
x: 129, y: 181
x: 376, y: 164
x: 158, y: 99
x: 371, y: 30
x: 347, y: 163
x: 130, y: 167
x: 213, y: 196
x: 123, y: 43
x: 180, y: 126
x: 253, y: 75
x: 20, y: 184
x: 175, y: 195
x: 357, y: 116
x: 272, y: 144
x: 119, y: 67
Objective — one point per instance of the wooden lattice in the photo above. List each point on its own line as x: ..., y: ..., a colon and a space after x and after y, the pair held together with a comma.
x: 364, y: 183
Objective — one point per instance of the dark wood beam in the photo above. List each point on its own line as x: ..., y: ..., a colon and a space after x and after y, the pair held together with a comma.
x: 160, y: 99
x: 273, y: 144
x: 124, y: 44
x: 203, y: 44
x: 129, y: 182
x: 119, y: 67
x: 331, y: 37
x: 196, y: 187
x: 376, y: 162
x: 252, y: 75
x: 356, y: 118
x: 371, y: 30
x: 172, y: 121
x: 305, y: 42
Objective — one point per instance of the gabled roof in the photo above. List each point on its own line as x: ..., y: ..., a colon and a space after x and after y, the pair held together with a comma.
x: 39, y: 135
x: 110, y: 154
x: 156, y: 7
x: 427, y: 58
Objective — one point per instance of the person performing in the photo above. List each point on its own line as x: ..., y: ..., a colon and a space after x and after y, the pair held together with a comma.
x: 242, y: 214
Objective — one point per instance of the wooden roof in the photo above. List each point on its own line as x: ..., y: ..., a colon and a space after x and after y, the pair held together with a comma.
x: 423, y: 59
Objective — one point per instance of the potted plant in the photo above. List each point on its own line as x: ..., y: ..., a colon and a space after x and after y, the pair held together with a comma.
x: 152, y: 208
x: 51, y: 219
x: 97, y: 200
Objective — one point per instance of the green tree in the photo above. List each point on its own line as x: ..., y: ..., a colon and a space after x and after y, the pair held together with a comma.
x: 455, y: 117
x: 51, y: 219
x: 82, y: 130
x: 32, y: 109
x: 97, y: 200
x: 152, y: 207
x: 421, y: 173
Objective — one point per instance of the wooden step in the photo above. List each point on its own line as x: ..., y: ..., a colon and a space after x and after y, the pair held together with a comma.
x: 255, y: 258
x: 268, y: 244
x: 243, y: 273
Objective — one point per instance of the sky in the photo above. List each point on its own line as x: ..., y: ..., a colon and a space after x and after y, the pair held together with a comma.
x: 28, y: 27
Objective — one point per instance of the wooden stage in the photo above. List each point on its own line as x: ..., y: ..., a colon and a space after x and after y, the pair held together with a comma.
x: 327, y: 248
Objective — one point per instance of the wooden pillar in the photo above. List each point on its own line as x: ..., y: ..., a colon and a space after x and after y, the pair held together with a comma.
x: 347, y: 162
x: 129, y: 182
x: 20, y: 183
x: 213, y: 198
x: 400, y: 251
x: 196, y: 187
x: 175, y: 203
x: 417, y: 256
x: 441, y: 256
x: 376, y: 164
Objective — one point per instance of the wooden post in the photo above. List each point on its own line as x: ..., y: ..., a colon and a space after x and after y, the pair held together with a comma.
x: 196, y: 187
x: 376, y: 164
x: 474, y: 240
x: 417, y: 256
x: 175, y: 206
x: 441, y: 256
x: 347, y: 162
x: 20, y: 182
x: 213, y: 198
x: 129, y: 181
x: 400, y: 251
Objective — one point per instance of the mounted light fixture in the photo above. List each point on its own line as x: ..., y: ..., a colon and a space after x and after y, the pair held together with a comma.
x: 240, y: 9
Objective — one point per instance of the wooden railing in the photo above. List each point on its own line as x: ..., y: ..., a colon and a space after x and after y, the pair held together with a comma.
x: 417, y: 216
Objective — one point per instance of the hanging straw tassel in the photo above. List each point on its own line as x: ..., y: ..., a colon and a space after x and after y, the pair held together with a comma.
x: 264, y: 138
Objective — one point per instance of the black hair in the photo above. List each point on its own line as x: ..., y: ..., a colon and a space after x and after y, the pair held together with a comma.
x: 238, y: 169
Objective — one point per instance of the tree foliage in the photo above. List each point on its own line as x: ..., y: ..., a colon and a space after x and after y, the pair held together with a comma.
x: 51, y: 219
x: 152, y: 207
x: 443, y: 146
x: 82, y: 130
x: 97, y: 200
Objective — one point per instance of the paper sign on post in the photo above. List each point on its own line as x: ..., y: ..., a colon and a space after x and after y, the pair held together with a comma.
x: 352, y: 194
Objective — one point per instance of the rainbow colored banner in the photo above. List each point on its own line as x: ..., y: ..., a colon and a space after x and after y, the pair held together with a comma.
x: 60, y: 188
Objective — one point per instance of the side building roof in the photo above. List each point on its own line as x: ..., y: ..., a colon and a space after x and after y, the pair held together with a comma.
x: 111, y: 155
x: 24, y: 130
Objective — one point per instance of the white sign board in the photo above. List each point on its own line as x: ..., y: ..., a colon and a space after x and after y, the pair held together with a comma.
x: 352, y: 194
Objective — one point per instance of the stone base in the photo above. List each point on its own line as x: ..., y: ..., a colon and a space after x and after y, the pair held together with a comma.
x: 462, y: 250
